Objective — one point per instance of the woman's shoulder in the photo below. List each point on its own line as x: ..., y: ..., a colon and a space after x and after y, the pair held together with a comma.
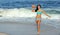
x: 41, y: 10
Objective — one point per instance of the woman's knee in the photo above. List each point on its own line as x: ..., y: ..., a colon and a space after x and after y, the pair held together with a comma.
x: 36, y: 21
x: 39, y: 21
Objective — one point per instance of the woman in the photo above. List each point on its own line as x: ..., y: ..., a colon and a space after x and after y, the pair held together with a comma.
x: 39, y: 11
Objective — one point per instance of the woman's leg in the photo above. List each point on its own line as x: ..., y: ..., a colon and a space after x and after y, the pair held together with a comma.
x: 38, y: 26
x: 36, y: 21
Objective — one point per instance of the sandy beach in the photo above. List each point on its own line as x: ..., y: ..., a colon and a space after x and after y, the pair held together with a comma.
x: 25, y: 27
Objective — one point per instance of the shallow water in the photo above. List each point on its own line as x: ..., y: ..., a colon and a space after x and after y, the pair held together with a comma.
x: 13, y: 28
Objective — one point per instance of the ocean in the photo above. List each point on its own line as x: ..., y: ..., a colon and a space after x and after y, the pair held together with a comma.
x: 18, y: 9
x: 51, y: 7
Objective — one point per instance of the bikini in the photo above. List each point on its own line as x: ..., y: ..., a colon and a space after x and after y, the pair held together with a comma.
x: 38, y: 13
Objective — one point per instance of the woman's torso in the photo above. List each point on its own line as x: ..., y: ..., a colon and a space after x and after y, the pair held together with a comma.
x: 39, y: 12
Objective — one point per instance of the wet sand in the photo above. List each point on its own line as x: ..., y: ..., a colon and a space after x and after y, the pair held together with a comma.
x: 27, y: 28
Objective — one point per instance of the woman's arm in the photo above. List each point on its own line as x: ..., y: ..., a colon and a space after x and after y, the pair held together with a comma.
x: 33, y: 8
x: 45, y: 13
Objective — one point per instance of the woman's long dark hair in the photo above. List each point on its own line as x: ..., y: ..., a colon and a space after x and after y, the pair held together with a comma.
x: 37, y: 7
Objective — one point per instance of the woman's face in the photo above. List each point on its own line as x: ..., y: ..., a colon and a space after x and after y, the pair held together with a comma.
x: 38, y: 7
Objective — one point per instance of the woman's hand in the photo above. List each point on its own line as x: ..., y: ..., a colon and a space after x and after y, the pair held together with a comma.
x: 33, y: 6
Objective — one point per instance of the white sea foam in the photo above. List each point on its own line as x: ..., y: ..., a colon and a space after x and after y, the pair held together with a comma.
x: 14, y: 15
x: 23, y: 12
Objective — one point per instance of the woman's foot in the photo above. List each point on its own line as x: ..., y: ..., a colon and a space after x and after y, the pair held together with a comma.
x: 38, y: 32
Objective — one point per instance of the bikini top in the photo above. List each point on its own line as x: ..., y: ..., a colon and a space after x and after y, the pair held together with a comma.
x: 39, y: 12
